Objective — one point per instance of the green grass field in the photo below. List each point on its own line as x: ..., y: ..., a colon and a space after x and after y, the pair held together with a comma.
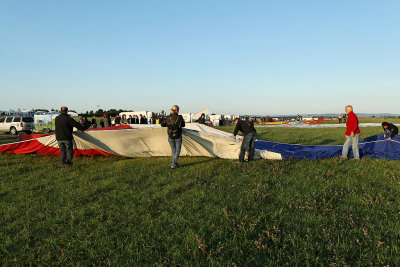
x: 306, y: 136
x: 118, y: 211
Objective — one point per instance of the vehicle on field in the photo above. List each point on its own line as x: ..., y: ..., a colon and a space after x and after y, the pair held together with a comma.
x: 15, y: 124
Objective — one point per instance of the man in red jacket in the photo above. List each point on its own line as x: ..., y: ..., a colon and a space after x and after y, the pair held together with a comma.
x: 352, y: 133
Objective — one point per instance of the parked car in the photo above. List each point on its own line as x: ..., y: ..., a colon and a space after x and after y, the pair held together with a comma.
x: 15, y: 124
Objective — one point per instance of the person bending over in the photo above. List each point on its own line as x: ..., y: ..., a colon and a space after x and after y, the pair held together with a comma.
x: 249, y: 139
x: 390, y: 128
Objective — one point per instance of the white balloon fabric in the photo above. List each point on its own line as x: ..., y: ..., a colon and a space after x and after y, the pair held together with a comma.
x: 141, y: 141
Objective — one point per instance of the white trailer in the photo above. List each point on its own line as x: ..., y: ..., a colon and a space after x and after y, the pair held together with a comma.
x: 188, y: 117
x: 215, y: 119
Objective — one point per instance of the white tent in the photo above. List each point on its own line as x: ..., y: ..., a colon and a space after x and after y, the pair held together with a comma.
x: 73, y: 114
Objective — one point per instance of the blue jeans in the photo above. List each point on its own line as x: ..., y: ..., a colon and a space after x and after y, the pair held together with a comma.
x: 248, y: 140
x: 354, y: 141
x: 67, y: 152
x: 176, y: 145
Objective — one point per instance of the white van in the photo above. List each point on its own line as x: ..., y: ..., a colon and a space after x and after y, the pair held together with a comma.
x: 15, y: 124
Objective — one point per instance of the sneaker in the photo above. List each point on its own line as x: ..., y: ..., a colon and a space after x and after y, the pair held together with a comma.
x: 173, y: 167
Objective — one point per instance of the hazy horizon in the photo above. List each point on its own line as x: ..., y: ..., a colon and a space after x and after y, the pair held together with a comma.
x: 360, y: 114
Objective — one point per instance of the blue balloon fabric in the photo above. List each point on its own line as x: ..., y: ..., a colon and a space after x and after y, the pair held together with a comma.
x: 377, y: 147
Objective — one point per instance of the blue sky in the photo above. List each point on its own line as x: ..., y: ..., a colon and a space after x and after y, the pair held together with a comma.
x: 233, y: 57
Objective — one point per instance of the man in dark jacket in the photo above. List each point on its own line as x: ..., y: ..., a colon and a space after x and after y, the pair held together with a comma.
x: 64, y: 128
x: 390, y: 128
x: 249, y: 133
x: 202, y: 119
x: 94, y: 122
x: 174, y: 122
x: 117, y: 120
x: 135, y: 120
x: 142, y: 119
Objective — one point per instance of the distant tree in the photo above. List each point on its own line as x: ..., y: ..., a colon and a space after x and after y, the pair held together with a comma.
x: 112, y: 112
x: 99, y: 112
x: 91, y: 113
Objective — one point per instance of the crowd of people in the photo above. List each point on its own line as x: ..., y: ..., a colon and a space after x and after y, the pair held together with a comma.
x: 175, y: 122
x: 106, y: 121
